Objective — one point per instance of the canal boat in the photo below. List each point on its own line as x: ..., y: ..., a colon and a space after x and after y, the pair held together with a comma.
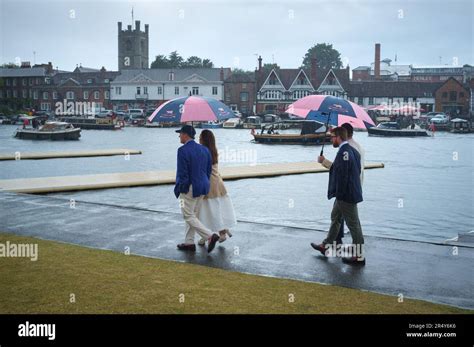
x: 54, y: 131
x: 392, y: 129
x: 301, y: 132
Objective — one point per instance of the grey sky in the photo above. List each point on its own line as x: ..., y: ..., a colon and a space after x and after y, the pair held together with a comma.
x: 231, y: 32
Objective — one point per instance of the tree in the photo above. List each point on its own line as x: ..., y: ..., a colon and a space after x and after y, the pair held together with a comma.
x: 192, y: 61
x: 326, y: 57
x: 175, y: 59
x: 9, y: 65
x: 207, y: 63
x: 161, y: 62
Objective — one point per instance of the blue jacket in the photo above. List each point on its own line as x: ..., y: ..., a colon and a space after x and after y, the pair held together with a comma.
x: 194, y: 168
x: 344, y: 176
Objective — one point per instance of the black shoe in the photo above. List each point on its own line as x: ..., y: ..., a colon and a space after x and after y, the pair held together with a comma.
x: 321, y: 247
x: 185, y: 247
x: 212, y: 242
x: 354, y: 261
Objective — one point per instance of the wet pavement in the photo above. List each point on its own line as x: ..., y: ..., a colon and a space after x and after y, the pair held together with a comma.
x: 426, y: 271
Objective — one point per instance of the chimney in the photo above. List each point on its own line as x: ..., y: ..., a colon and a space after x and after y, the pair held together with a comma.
x: 146, y: 28
x: 49, y: 68
x: 222, y: 73
x: 137, y: 25
x: 119, y: 26
x: 259, y: 63
x: 314, y: 69
x: 129, y: 27
x: 25, y: 64
x: 377, y: 61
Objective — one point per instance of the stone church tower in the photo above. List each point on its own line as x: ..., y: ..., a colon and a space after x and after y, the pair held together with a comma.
x: 132, y: 47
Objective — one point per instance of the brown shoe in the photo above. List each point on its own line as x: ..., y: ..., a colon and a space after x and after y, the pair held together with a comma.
x: 212, y: 242
x: 187, y: 247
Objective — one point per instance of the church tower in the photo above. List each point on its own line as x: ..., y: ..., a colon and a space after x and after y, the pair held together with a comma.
x: 132, y: 47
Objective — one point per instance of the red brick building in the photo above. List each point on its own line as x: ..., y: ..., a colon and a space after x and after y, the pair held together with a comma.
x: 453, y: 98
x: 239, y: 93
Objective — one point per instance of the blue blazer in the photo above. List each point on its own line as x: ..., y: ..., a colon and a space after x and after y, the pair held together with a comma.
x: 344, y: 176
x: 194, y: 168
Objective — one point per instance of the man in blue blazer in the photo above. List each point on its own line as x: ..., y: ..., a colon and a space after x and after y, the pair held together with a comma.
x: 192, y: 184
x: 345, y: 186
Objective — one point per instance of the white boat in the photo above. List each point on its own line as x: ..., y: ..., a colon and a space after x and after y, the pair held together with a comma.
x: 233, y: 123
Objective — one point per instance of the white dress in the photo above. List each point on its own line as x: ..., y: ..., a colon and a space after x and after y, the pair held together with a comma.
x: 217, y: 212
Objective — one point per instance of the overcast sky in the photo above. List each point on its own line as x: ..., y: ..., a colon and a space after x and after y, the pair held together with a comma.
x: 230, y: 33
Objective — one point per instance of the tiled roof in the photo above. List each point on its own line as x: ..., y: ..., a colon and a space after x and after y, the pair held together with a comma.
x: 392, y: 89
x: 23, y: 72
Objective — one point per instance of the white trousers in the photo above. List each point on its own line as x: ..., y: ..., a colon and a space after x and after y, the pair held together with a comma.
x: 190, y: 209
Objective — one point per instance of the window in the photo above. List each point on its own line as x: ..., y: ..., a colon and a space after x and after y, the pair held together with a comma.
x: 244, y: 85
x: 7, y: 82
x: 86, y: 95
x: 47, y: 80
x: 24, y: 81
x: 302, y: 80
x: 445, y: 95
x: 37, y: 81
x: 298, y: 94
x: 31, y: 81
x: 45, y: 95
x: 55, y: 95
x: 70, y: 95
x: 35, y: 95
x: 89, y: 81
x: 24, y: 93
x: 195, y: 90
x: 45, y: 106
x: 160, y: 90
x: 171, y: 76
x: 244, y: 96
x: 96, y: 95
x: 15, y: 93
x: 273, y: 94
x: 176, y: 90
x: 139, y: 90
x: 272, y: 81
x: 244, y: 109
x: 371, y: 100
x: 118, y: 90
x: 453, y: 95
x: 214, y: 90
x: 107, y: 94
x: 145, y: 90
x: 9, y: 93
x: 14, y: 81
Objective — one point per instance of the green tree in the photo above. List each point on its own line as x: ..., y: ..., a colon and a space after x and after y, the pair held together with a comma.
x: 161, y: 62
x: 175, y: 59
x: 269, y: 67
x: 9, y: 65
x: 207, y: 63
x: 326, y: 56
x: 192, y: 61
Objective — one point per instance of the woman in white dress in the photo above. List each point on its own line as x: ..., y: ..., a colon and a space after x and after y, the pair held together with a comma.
x: 216, y: 212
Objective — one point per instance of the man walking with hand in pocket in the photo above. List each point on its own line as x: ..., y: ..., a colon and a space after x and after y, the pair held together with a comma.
x: 192, y: 184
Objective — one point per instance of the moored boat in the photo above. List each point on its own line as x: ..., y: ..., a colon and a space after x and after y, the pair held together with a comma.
x: 233, y: 123
x: 211, y: 125
x: 459, y: 125
x: 93, y: 123
x: 55, y: 131
x: 307, y: 133
x: 391, y: 129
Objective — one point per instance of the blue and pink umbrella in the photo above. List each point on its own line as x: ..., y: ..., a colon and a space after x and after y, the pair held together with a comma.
x: 331, y: 110
x: 191, y: 109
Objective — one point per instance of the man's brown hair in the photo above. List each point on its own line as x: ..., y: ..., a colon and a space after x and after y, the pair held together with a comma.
x: 341, y: 132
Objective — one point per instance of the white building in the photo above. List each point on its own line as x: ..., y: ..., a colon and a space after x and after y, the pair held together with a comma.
x: 152, y: 87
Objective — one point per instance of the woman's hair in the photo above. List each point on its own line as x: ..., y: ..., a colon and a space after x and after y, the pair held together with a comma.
x: 207, y: 139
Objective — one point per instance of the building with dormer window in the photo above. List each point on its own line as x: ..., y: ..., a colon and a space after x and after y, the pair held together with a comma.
x: 278, y: 88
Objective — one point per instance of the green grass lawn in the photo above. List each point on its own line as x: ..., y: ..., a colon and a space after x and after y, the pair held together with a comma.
x: 111, y: 282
